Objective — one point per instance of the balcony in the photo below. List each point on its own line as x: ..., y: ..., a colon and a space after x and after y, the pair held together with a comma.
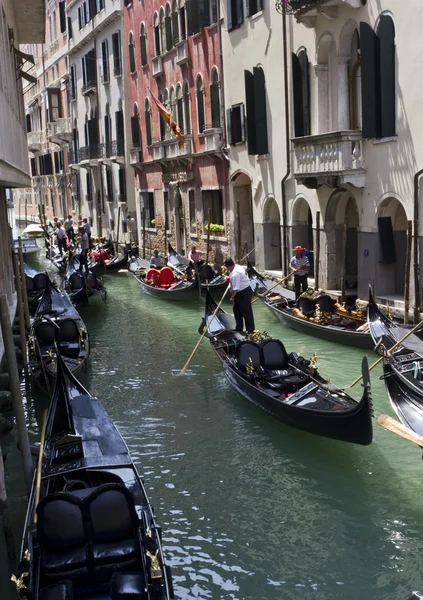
x: 306, y: 11
x: 72, y: 157
x: 158, y: 150
x: 182, y: 52
x: 334, y: 158
x: 91, y: 153
x: 34, y: 140
x: 212, y: 138
x: 157, y: 66
x: 122, y: 198
x: 90, y: 87
x: 174, y: 150
x: 116, y: 150
x: 135, y: 156
x: 60, y: 131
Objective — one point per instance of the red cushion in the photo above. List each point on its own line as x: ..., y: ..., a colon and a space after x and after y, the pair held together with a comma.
x: 153, y: 276
x: 166, y: 276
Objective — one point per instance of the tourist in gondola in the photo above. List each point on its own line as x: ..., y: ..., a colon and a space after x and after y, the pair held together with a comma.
x: 241, y: 295
x: 300, y: 261
x: 69, y: 229
x: 84, y: 250
x: 155, y: 260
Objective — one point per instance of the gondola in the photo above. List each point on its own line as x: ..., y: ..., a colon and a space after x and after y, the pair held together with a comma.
x: 57, y: 325
x: 81, y: 286
x: 334, y: 325
x: 288, y: 386
x: 95, y: 534
x: 35, y: 285
x: 208, y: 276
x: 402, y: 369
x: 163, y: 283
x: 30, y: 248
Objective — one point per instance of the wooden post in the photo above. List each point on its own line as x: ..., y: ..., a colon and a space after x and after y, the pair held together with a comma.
x: 5, y: 518
x: 344, y: 259
x: 238, y: 226
x: 117, y: 234
x: 317, y: 253
x: 208, y: 238
x: 26, y: 210
x: 407, y: 270
x: 143, y: 231
x: 165, y: 240
x: 24, y: 291
x: 22, y: 332
x: 417, y: 297
x: 15, y: 389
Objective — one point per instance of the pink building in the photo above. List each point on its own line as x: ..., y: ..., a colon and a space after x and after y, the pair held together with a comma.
x: 174, y: 53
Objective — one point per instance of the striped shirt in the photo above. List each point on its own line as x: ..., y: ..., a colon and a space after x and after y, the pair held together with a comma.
x: 300, y: 262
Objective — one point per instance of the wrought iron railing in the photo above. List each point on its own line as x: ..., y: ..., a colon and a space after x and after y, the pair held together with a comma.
x: 117, y: 148
x: 294, y: 6
x: 90, y: 85
x: 92, y: 151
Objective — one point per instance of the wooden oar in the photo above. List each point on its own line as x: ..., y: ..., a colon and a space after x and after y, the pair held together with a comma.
x: 176, y: 269
x: 396, y: 427
x: 39, y: 466
x: 389, y: 351
x: 185, y: 367
x: 276, y: 284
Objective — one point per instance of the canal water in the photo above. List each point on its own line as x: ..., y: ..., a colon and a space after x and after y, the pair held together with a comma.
x: 250, y: 508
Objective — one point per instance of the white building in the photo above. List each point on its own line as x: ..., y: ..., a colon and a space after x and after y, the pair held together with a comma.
x: 104, y: 182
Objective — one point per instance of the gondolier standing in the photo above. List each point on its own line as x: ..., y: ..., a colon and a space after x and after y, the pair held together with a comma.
x: 300, y: 261
x: 241, y: 296
x: 69, y: 229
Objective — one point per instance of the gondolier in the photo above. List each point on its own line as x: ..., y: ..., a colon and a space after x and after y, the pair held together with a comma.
x: 300, y: 264
x: 241, y: 295
x: 69, y: 229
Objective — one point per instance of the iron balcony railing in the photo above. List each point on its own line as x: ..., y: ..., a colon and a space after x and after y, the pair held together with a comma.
x: 89, y: 86
x: 118, y: 148
x: 92, y: 151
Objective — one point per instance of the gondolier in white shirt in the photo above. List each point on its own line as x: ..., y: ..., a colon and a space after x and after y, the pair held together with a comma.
x: 241, y: 295
x: 300, y: 261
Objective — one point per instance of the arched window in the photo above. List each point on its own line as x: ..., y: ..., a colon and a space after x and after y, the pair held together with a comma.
x: 199, y: 87
x: 215, y: 98
x: 162, y: 30
x: 175, y: 26
x: 354, y: 72
x: 301, y: 89
x: 132, y: 66
x: 143, y: 45
x: 168, y: 27
x: 255, y: 95
x: 147, y: 113
x: 173, y: 103
x: 179, y: 107
x: 135, y: 128
x: 187, y: 108
x: 182, y: 22
x: 156, y: 26
x: 162, y: 122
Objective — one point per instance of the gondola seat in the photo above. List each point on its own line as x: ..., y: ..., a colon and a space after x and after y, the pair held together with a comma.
x: 306, y: 305
x: 205, y: 273
x: 29, y: 283
x: 76, y: 282
x: 58, y: 591
x: 153, y: 277
x: 46, y: 334
x: 68, y: 337
x: 128, y: 586
x: 274, y: 356
x: 326, y: 304
x: 167, y: 278
x: 40, y: 281
x: 248, y: 353
x: 277, y: 370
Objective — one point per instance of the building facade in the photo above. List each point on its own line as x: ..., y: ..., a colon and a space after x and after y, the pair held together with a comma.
x: 182, y: 188
x: 99, y: 156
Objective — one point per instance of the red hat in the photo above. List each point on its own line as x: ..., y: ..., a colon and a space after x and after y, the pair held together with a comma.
x: 298, y: 249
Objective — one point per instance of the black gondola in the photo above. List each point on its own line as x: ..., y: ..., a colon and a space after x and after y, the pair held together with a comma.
x: 35, y: 285
x: 402, y: 369
x: 57, y: 324
x: 165, y: 283
x: 208, y: 276
x: 287, y: 386
x: 81, y: 286
x: 95, y: 534
x: 343, y: 328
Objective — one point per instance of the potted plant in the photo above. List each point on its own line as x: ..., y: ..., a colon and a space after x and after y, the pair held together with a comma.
x: 194, y: 226
x: 153, y: 222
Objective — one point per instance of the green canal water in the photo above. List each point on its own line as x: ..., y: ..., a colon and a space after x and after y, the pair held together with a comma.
x: 250, y: 508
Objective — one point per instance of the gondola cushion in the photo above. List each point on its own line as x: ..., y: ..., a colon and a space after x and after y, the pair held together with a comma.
x: 205, y: 273
x: 167, y: 277
x: 326, y: 304
x: 128, y: 586
x: 274, y: 355
x: 76, y: 281
x: 68, y: 331
x: 246, y: 351
x: 58, y: 591
x: 45, y: 334
x: 153, y: 277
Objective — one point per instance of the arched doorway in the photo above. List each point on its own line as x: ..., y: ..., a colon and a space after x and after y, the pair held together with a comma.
x: 244, y: 234
x: 341, y: 254
x: 272, y: 235
x: 302, y: 229
x: 392, y: 242
x: 179, y: 221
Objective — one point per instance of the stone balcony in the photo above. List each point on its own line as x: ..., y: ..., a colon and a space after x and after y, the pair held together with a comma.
x: 135, y: 156
x: 158, y: 150
x: 174, y: 150
x: 307, y: 11
x: 60, y: 131
x: 334, y: 158
x: 212, y: 138
x: 157, y: 64
x: 182, y: 55
x: 35, y: 140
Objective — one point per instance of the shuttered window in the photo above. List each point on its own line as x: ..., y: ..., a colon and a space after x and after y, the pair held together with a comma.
x: 168, y: 28
x: 132, y: 66
x: 301, y: 92
x: 235, y: 120
x: 179, y: 108
x: 386, y: 34
x: 62, y: 16
x: 193, y: 23
x: 215, y: 99
x: 200, y: 104
x: 28, y: 122
x: 135, y: 128
x: 147, y: 203
x: 235, y: 13
x: 249, y: 97
x: 260, y: 111
x: 117, y: 60
x: 69, y: 28
x: 175, y: 24
x: 143, y: 45
x: 122, y: 184
x: 105, y: 61
x: 148, y: 122
x: 187, y: 109
x: 252, y: 7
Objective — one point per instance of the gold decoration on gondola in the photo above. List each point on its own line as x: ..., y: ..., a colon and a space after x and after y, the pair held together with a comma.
x: 313, y: 361
x: 318, y: 313
x: 249, y: 367
x: 27, y: 555
x: 19, y: 581
x: 258, y: 336
x: 155, y: 568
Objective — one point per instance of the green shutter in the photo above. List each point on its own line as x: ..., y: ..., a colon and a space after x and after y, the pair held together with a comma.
x: 370, y: 82
x: 148, y: 127
x: 260, y: 110
x: 387, y: 76
x: 249, y: 98
x: 229, y: 125
x: 215, y: 104
x: 143, y: 47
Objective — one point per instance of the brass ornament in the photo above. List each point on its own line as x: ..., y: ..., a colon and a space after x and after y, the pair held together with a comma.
x: 155, y: 569
x: 249, y: 367
x: 19, y: 581
x: 313, y: 361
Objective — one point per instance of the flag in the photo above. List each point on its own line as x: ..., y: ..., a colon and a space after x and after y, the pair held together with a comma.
x: 167, y: 116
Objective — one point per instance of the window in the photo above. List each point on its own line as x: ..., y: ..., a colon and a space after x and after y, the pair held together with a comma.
x: 70, y: 28
x: 212, y: 200
x: 73, y: 82
x: 198, y: 15
x: 62, y: 16
x: 252, y: 7
x: 132, y: 66
x: 54, y: 26
x: 143, y: 45
x: 173, y: 104
x: 122, y: 185
x: 179, y: 107
x: 192, y: 212
x: 54, y: 105
x: 354, y: 72
x: 162, y: 30
x: 109, y: 184
x: 187, y: 108
x: 215, y: 98
x: 89, y: 187
x: 235, y: 14
x: 255, y: 93
x: 117, y: 59
x: 28, y: 123
x: 168, y: 27
x: 108, y: 132
x: 89, y: 68
x: 148, y: 122
x: 301, y: 92
x: 162, y: 122
x: 34, y: 167
x: 175, y: 25
x: 182, y: 24
x: 200, y: 104
x: 213, y: 11
x: 147, y: 203
x: 235, y: 121
x: 105, y: 60
x: 156, y: 34
x: 120, y: 132
x: 135, y: 128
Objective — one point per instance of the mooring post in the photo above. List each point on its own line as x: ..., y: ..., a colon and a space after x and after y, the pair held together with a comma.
x: 15, y: 390
x: 24, y: 292
x: 22, y: 332
x: 5, y: 518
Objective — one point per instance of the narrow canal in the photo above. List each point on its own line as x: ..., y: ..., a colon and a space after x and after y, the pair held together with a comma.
x: 250, y: 508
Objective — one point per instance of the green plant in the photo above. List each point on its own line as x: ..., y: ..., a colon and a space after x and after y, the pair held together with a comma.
x: 153, y: 221
x: 220, y: 228
x: 194, y: 225
x: 215, y: 228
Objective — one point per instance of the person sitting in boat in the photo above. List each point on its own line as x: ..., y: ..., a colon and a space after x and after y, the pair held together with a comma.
x: 155, y: 260
x: 300, y: 264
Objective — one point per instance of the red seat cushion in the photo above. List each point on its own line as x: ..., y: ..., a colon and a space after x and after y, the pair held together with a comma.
x: 153, y: 276
x: 166, y: 276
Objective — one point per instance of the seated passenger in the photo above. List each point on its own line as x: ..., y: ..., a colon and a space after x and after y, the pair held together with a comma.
x: 155, y: 260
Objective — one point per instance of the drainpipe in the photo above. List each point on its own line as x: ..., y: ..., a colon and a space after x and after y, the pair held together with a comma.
x: 287, y: 141
x: 416, y: 246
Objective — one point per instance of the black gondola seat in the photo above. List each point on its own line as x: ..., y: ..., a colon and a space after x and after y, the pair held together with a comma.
x: 40, y: 281
x: 58, y: 591
x: 68, y: 337
x: 248, y: 353
x: 325, y: 304
x: 128, y: 586
x: 29, y: 282
x: 275, y: 363
x: 205, y: 273
x: 275, y: 357
x: 306, y: 305
x: 76, y: 282
x: 46, y: 334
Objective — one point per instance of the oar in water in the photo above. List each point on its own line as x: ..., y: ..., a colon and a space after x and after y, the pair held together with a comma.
x: 389, y: 351
x: 276, y: 284
x: 396, y: 427
x: 185, y: 367
x: 39, y: 466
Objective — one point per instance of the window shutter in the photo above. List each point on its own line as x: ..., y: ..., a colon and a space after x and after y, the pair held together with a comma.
x: 247, y: 8
x: 188, y: 8
x: 131, y: 57
x: 62, y: 16
x: 180, y: 108
x: 239, y: 12
x: 120, y: 134
x: 297, y: 88
x: 135, y: 128
x: 242, y: 115
x: 306, y: 95
x: 148, y: 127
x: 370, y: 82
x: 260, y: 110
x: 229, y: 125
x: 56, y: 162
x: 143, y: 47
x: 105, y: 60
x: 168, y: 28
x: 387, y: 76
x: 28, y: 123
x: 214, y: 11
x: 69, y: 28
x: 215, y: 104
x: 200, y: 109
x: 203, y: 14
x: 80, y: 17
x: 249, y: 97
x: 229, y: 14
